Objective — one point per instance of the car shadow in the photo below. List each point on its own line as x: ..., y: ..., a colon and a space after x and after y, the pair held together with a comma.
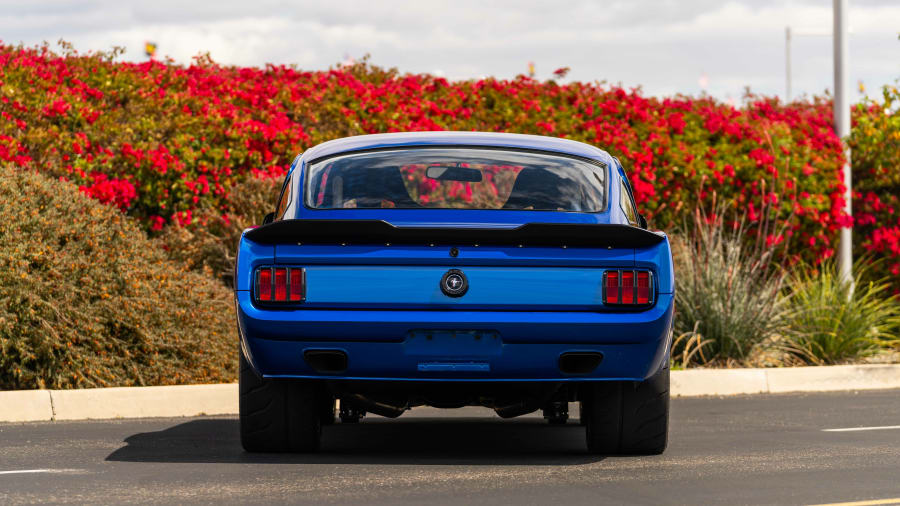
x: 419, y: 441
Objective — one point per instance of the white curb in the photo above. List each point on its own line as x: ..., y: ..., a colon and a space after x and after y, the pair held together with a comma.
x: 25, y: 406
x: 142, y: 402
x: 222, y: 399
x: 837, y: 377
x: 695, y: 382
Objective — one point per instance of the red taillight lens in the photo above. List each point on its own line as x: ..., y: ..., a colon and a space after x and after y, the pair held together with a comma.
x: 280, y: 284
x: 264, y: 284
x: 631, y: 288
x: 297, y: 287
x: 643, y: 287
x: 612, y: 287
x: 627, y: 287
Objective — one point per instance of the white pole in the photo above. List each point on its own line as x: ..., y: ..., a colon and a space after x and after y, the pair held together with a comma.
x: 787, y: 62
x: 842, y: 128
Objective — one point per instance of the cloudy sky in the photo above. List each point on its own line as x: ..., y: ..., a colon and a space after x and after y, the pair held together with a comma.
x: 665, y: 46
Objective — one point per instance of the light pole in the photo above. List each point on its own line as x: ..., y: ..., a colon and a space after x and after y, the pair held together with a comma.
x: 787, y: 60
x: 842, y: 128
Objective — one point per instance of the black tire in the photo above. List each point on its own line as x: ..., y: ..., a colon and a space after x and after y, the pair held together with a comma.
x: 278, y: 415
x: 630, y: 418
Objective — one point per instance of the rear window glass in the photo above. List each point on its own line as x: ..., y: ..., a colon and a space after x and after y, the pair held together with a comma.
x: 457, y: 178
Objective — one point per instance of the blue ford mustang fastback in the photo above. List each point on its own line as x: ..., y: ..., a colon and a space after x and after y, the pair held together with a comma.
x: 454, y: 269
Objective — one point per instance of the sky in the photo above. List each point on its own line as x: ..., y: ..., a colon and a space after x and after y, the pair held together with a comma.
x: 664, y: 46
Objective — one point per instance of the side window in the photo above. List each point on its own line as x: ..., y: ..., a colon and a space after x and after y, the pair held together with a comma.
x: 626, y: 201
x: 284, y: 200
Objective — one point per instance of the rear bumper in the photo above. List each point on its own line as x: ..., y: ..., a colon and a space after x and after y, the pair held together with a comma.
x: 517, y: 346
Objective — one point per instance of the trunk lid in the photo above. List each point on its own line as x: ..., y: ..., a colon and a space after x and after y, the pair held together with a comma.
x: 410, y: 277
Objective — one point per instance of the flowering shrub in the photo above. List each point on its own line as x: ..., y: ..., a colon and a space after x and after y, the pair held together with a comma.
x: 209, y: 242
x: 168, y: 143
x: 86, y: 300
x: 875, y: 141
x: 119, y: 192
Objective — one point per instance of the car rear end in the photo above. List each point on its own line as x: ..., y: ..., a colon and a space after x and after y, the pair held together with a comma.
x: 381, y: 308
x: 393, y: 303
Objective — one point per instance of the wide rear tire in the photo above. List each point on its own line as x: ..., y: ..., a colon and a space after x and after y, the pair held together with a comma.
x: 627, y: 418
x: 278, y: 415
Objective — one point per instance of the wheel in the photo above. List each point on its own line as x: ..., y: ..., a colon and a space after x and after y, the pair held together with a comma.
x: 629, y: 418
x: 278, y: 415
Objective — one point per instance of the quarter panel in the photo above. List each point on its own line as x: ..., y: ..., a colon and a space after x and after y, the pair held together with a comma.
x: 249, y: 256
x: 658, y: 257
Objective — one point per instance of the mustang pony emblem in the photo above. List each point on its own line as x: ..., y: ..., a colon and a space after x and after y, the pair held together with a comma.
x: 454, y: 283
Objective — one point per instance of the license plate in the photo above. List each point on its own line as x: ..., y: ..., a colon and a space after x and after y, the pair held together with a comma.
x: 453, y: 343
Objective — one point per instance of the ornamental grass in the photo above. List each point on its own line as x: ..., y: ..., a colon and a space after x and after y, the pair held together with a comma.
x: 727, y: 298
x: 829, y: 320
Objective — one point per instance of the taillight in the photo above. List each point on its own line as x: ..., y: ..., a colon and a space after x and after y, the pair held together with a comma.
x: 611, y: 288
x: 280, y: 284
x: 642, y: 294
x: 627, y: 288
x: 264, y: 284
x: 297, y: 285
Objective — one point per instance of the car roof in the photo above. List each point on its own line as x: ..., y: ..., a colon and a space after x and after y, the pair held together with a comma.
x: 453, y: 138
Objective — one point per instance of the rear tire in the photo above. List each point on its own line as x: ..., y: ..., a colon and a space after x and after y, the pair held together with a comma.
x: 628, y: 417
x: 278, y: 415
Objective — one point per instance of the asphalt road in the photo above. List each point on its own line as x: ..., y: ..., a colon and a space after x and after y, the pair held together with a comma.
x: 764, y: 449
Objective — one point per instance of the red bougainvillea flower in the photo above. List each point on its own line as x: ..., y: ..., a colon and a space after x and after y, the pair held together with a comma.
x: 160, y: 141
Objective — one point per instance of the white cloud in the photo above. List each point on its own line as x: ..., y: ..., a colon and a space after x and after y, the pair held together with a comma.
x: 664, y: 46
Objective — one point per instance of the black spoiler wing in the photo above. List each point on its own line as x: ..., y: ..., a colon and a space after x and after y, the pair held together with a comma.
x: 381, y: 232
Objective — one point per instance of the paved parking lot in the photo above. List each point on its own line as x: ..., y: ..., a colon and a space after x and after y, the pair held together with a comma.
x: 763, y: 449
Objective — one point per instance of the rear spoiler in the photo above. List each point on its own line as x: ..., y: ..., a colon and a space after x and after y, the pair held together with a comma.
x: 590, y: 235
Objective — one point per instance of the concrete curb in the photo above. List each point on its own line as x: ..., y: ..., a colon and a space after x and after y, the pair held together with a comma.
x: 124, y: 402
x: 222, y: 399
x: 25, y: 406
x: 143, y: 402
x: 699, y: 382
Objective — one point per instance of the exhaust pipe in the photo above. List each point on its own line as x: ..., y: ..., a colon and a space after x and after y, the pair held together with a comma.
x: 579, y: 362
x: 326, y: 361
x: 517, y: 409
x: 378, y: 407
